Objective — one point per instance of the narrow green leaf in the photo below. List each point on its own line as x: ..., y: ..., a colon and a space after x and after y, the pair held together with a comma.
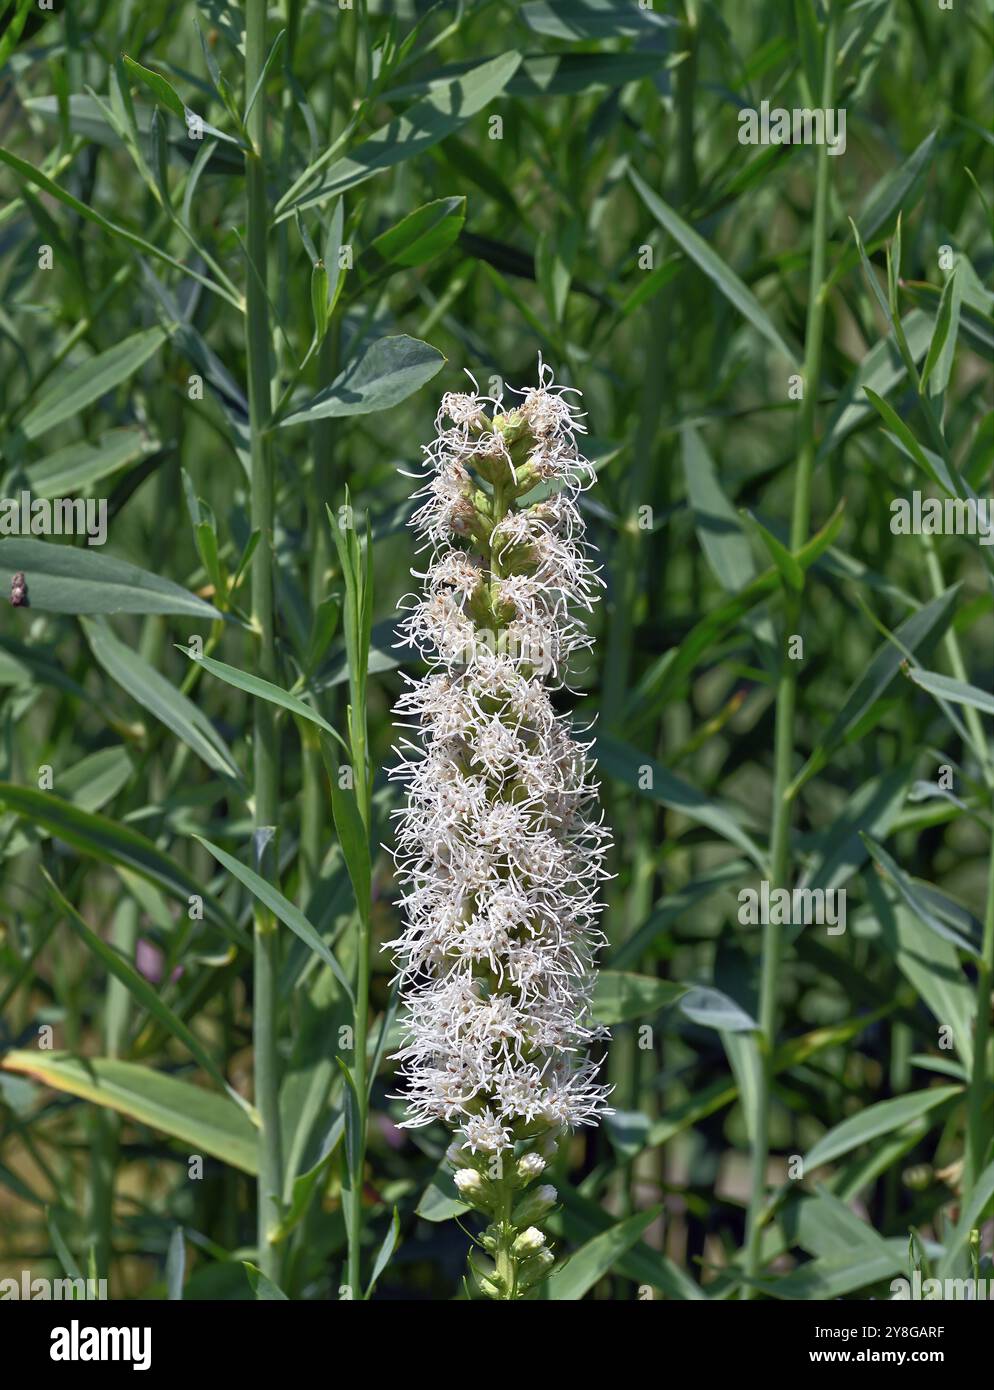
x: 42, y: 181
x: 715, y: 519
x: 914, y: 899
x: 78, y: 465
x: 831, y: 1277
x: 711, y: 1008
x: 116, y: 844
x: 897, y: 426
x: 158, y: 85
x: 592, y: 19
x: 424, y: 124
x: 620, y: 995
x: 891, y: 193
x: 263, y: 690
x: 289, y: 915
x: 86, y: 383
x: 440, y: 1200
x: 883, y: 671
x: 583, y: 1269
x: 61, y: 1248
x: 875, y: 1120
x: 79, y: 580
x: 581, y: 1217
x: 418, y: 237
x: 202, y: 1120
x: 17, y: 21
x: 972, y: 1215
x: 145, y: 994
x: 790, y: 571
x: 385, y: 1252
x: 880, y: 370
x: 713, y: 267
x: 385, y: 373
x: 930, y: 963
x: 351, y: 834
x: 942, y: 349
x: 742, y: 1049
x: 271, y: 57
x: 175, y: 1266
x: 263, y: 1287
x: 160, y: 697
x: 948, y: 689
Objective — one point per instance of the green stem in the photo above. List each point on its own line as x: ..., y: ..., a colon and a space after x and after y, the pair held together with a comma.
x: 106, y: 1126
x: 503, y: 1258
x: 978, y: 1132
x: 954, y: 655
x: 786, y: 701
x: 360, y: 1076
x: 358, y: 741
x: 314, y: 795
x: 978, y: 1129
x: 265, y: 751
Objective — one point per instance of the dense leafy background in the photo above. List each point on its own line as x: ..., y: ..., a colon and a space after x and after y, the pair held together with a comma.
x: 618, y: 228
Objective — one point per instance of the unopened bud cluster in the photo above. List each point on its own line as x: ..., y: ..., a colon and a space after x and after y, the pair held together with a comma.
x: 518, y: 1250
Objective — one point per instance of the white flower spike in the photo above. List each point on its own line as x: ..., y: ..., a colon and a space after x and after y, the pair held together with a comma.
x: 499, y: 847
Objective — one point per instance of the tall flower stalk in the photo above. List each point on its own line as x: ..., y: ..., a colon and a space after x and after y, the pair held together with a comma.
x: 499, y: 847
x: 264, y: 742
x: 786, y: 702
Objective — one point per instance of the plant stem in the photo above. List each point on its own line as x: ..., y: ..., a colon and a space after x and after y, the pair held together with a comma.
x: 978, y: 1132
x: 362, y: 1092
x: 358, y: 604
x: 786, y: 702
x: 979, y: 1084
x: 266, y: 939
x: 314, y: 796
x: 503, y: 1258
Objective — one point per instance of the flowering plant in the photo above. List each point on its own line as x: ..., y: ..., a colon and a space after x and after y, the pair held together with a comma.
x: 499, y: 847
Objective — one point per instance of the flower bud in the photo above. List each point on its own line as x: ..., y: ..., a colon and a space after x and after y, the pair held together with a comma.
x: 529, y: 1242
x: 536, y: 1204
x: 531, y: 1166
x: 469, y: 1184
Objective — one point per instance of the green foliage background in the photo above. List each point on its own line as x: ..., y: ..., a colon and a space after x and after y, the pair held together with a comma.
x: 554, y: 178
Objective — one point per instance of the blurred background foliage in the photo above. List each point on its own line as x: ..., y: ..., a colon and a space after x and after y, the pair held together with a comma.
x: 586, y: 198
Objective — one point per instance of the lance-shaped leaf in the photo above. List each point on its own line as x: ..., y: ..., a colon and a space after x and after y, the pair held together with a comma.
x: 145, y: 994
x: 161, y: 698
x: 289, y: 915
x: 104, y: 839
x: 915, y: 899
x: 86, y: 383
x: 204, y: 1121
x: 875, y: 1120
x: 384, y: 374
x: 75, y: 579
x: 424, y: 124
x: 708, y: 260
